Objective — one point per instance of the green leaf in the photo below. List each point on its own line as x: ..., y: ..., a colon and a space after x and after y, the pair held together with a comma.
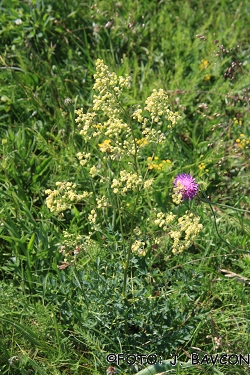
x: 31, y: 243
x: 29, y: 335
x: 41, y: 168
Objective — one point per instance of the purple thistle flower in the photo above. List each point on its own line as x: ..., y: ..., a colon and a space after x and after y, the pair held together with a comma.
x: 187, y: 185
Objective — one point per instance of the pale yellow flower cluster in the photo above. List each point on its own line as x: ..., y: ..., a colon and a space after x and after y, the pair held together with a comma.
x: 183, y: 232
x: 137, y: 115
x: 177, y: 196
x: 115, y: 151
x: 92, y: 216
x: 116, y: 133
x: 110, y: 88
x: 87, y: 122
x: 129, y: 181
x: 153, y: 136
x: 116, y: 138
x: 138, y: 247
x: 128, y: 147
x: 102, y: 202
x: 83, y: 157
x: 63, y: 197
x: 163, y: 220
x: 93, y: 171
x: 92, y: 219
x: 148, y: 183
x: 157, y: 106
x: 115, y: 126
x: 189, y: 228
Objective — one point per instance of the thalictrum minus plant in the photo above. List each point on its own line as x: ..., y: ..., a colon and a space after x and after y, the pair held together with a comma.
x: 117, y: 141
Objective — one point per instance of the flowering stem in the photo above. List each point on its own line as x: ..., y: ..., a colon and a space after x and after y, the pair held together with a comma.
x: 129, y: 247
x: 120, y: 222
x: 128, y: 119
x: 206, y: 200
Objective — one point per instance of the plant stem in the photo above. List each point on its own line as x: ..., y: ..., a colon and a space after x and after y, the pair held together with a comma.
x: 206, y: 200
x: 129, y: 246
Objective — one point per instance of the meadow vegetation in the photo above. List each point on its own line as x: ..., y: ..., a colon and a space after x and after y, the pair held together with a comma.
x: 103, y: 106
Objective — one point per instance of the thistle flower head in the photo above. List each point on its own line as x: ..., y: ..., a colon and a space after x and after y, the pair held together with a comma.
x: 185, y: 185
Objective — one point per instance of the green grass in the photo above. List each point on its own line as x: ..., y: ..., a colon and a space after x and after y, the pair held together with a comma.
x: 66, y: 321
